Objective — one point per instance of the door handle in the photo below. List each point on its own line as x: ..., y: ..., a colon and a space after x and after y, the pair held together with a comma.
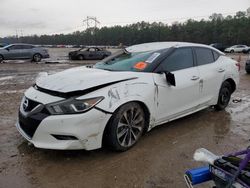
x: 221, y: 70
x: 195, y: 77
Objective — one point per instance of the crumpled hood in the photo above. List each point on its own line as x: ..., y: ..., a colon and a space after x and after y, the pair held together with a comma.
x: 81, y: 78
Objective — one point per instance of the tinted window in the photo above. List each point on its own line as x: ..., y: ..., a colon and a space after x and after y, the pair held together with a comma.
x: 181, y: 59
x: 216, y: 55
x: 92, y: 49
x: 23, y: 47
x: 14, y: 47
x: 27, y: 47
x: 204, y: 56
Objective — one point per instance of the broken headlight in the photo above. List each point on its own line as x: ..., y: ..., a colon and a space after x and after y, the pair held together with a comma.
x: 73, y: 106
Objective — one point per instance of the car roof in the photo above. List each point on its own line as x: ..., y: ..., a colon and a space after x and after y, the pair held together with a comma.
x: 21, y: 44
x: 154, y: 46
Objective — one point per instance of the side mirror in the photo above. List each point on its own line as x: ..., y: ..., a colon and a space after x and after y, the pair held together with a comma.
x: 7, y: 49
x: 170, y: 78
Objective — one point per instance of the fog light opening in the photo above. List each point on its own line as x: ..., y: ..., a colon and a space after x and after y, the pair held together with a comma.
x: 64, y: 137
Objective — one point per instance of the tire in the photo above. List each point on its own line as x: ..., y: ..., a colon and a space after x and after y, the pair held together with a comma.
x: 1, y: 58
x: 37, y: 57
x: 104, y: 56
x: 224, y: 96
x: 232, y: 51
x: 125, y: 127
x: 80, y: 57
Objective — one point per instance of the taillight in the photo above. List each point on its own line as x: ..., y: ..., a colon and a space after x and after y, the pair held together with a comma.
x: 238, y: 65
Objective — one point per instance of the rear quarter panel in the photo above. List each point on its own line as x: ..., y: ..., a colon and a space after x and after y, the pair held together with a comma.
x: 231, y: 69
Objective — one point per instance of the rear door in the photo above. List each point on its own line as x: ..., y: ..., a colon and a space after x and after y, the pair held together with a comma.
x: 25, y: 51
x: 211, y: 71
x: 239, y: 48
x: 174, y: 101
x: 99, y: 53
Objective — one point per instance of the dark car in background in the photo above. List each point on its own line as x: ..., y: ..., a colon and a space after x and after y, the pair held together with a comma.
x: 219, y: 46
x: 89, y: 53
x: 247, y: 66
x: 23, y: 51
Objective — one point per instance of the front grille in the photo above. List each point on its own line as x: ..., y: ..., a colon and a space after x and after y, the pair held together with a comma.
x: 30, y: 105
x: 30, y: 124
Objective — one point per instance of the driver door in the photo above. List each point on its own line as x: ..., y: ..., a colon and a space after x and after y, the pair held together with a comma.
x: 173, y: 101
x: 92, y: 53
x: 13, y: 52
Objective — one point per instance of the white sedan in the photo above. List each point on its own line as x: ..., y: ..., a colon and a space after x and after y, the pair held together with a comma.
x: 125, y: 95
x: 236, y: 48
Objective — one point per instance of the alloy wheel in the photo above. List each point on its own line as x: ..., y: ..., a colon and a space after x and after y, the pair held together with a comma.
x: 130, y: 126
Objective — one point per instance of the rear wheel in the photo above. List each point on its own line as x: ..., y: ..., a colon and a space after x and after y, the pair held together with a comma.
x: 232, y: 51
x: 37, y: 58
x: 224, y: 96
x: 126, y: 127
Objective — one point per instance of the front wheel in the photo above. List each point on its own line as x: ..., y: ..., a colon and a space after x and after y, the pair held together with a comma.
x: 224, y: 96
x: 80, y: 57
x: 37, y: 58
x: 125, y: 127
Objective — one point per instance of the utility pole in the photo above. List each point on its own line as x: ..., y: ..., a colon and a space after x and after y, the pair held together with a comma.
x: 17, y: 35
x: 90, y: 20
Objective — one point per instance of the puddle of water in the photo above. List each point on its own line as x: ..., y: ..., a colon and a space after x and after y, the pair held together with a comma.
x: 240, y: 117
x: 12, y: 91
x: 6, y: 78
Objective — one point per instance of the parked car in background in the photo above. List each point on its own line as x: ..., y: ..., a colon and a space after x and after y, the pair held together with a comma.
x: 236, y: 48
x: 219, y: 46
x: 247, y: 66
x: 23, y: 51
x: 2, y: 45
x: 90, y: 53
x: 121, y: 97
x: 246, y: 50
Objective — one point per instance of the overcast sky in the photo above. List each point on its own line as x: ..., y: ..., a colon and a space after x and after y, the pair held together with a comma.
x: 65, y: 16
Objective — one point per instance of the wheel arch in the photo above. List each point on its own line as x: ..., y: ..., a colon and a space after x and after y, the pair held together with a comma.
x: 37, y: 53
x: 145, y: 109
x: 232, y: 83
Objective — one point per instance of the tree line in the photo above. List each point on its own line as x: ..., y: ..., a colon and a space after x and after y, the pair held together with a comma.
x: 218, y: 29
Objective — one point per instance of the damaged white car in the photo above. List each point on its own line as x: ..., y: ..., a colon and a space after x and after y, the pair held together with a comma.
x: 125, y: 95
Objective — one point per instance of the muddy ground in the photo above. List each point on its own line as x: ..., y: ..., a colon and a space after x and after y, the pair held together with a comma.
x: 158, y: 160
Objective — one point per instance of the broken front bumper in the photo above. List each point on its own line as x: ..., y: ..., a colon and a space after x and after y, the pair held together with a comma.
x: 65, y: 132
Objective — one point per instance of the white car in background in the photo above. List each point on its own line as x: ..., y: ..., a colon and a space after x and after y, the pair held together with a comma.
x: 236, y: 48
x: 125, y: 95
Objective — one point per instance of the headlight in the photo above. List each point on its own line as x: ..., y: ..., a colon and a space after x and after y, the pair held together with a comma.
x: 73, y: 106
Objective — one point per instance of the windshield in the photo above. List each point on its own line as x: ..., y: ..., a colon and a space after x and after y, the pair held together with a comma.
x: 82, y: 49
x: 125, y: 61
x: 7, y: 46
